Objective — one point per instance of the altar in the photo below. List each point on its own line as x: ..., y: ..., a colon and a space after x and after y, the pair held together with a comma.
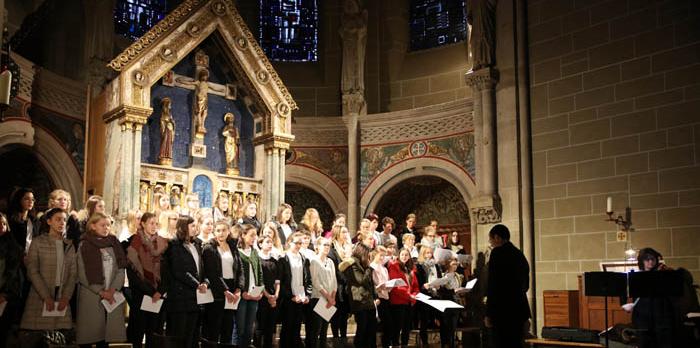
x: 195, y: 110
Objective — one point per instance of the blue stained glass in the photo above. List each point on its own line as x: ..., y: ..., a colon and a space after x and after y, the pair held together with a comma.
x: 289, y: 30
x: 437, y: 22
x: 133, y: 18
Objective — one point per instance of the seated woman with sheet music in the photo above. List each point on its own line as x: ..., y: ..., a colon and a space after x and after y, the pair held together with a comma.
x: 654, y: 318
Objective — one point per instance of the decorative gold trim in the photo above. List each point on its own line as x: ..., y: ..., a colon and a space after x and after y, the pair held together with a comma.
x: 193, y: 29
x: 170, y: 22
x: 139, y: 77
x: 219, y: 8
x: 241, y: 42
x: 262, y: 76
x: 129, y: 114
x: 168, y: 53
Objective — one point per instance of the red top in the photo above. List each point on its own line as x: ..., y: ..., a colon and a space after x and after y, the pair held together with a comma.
x: 401, y: 295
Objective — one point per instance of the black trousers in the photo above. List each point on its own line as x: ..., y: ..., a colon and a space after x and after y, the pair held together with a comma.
x: 402, y: 324
x: 448, y: 324
x: 292, y: 317
x: 218, y: 322
x: 339, y: 322
x: 508, y: 334
x: 386, y: 323
x: 317, y: 329
x: 427, y: 317
x: 143, y: 323
x: 184, y: 326
x: 267, y: 322
x: 366, y: 334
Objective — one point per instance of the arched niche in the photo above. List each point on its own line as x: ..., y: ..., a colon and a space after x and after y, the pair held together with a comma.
x: 26, y: 171
x: 319, y: 183
x: 50, y: 153
x: 430, y: 198
x: 301, y: 197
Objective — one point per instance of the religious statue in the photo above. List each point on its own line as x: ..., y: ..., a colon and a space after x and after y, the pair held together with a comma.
x: 201, y: 91
x: 482, y: 17
x: 231, y: 148
x: 167, y: 133
x: 143, y: 196
x: 175, y: 198
x: 353, y: 31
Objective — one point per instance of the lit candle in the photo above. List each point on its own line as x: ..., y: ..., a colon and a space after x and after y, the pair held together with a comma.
x: 608, y: 208
x: 5, y: 86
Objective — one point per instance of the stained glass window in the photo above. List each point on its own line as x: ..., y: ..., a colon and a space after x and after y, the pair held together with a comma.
x: 437, y: 22
x: 289, y: 30
x: 133, y: 18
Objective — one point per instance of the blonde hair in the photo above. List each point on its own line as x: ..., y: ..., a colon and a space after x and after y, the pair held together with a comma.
x: 275, y: 238
x: 336, y: 233
x: 317, y: 228
x: 407, y: 236
x: 164, y: 224
x: 93, y: 220
x: 424, y: 249
x: 55, y: 195
x: 428, y: 229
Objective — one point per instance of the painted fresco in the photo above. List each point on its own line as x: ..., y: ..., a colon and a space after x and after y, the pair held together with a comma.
x: 333, y: 162
x: 458, y: 149
x: 67, y: 130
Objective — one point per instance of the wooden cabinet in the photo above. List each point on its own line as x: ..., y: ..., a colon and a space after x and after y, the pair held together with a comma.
x: 561, y: 308
x: 592, y: 315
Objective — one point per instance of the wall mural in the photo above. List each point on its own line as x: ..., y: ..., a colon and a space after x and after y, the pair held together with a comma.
x: 333, y: 162
x: 301, y: 198
x: 430, y: 198
x: 67, y: 130
x: 458, y: 149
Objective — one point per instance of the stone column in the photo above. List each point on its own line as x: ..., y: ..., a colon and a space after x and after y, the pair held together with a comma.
x: 353, y: 172
x: 282, y: 164
x: 486, y: 206
x: 274, y: 184
x: 123, y: 158
x: 267, y: 184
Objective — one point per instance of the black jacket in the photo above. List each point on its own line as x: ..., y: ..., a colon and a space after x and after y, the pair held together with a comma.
x: 508, y: 282
x: 270, y: 269
x: 213, y: 271
x: 422, y: 273
x: 280, y: 232
x: 19, y: 230
x: 285, y: 274
x: 360, y: 285
x: 11, y: 254
x: 183, y: 277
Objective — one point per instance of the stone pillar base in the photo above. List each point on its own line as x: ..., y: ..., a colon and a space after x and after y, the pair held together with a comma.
x: 233, y: 171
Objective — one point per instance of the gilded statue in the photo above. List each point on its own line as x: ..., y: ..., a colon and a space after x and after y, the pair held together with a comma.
x: 231, y: 143
x: 482, y: 17
x: 167, y: 133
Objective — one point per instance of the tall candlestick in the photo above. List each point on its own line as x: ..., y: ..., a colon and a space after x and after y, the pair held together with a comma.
x: 608, y: 208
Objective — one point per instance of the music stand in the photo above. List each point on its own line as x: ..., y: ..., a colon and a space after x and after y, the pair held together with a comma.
x: 606, y: 284
x: 656, y: 284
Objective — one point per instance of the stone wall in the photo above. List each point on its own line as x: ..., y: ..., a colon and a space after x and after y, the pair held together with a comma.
x: 615, y: 96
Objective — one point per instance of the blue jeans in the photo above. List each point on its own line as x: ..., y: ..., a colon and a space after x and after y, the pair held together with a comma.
x: 245, y: 321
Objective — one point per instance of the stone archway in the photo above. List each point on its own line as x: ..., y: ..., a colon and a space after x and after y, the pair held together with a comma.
x: 302, y: 197
x: 58, y: 165
x: 430, y: 198
x: 319, y: 183
x: 27, y: 171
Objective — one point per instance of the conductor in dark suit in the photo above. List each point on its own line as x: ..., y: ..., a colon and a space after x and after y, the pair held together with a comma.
x: 507, y: 308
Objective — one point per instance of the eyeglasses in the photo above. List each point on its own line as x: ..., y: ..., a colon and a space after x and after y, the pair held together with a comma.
x: 297, y: 242
x: 325, y: 244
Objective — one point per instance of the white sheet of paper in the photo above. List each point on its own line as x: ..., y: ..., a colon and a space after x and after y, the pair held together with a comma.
x: 422, y: 297
x: 441, y: 254
x: 394, y: 283
x: 2, y: 307
x: 147, y: 305
x: 470, y: 284
x: 118, y: 300
x: 438, y: 282
x: 442, y: 305
x: 256, y: 291
x: 206, y: 297
x: 325, y: 313
x: 693, y: 315
x: 55, y: 312
x: 232, y: 305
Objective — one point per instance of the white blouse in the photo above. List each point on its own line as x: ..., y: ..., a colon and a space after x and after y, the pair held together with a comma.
x: 226, y: 264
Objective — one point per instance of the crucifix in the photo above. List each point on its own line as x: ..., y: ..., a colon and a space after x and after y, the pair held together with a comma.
x: 202, y: 88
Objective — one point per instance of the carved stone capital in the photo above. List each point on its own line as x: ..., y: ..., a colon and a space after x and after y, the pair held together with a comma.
x: 486, y: 209
x: 129, y: 117
x: 354, y: 103
x: 484, y: 78
x: 274, y: 141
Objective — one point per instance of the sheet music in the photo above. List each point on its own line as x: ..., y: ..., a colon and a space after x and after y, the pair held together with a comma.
x: 232, y: 305
x: 206, y: 297
x: 442, y: 305
x: 256, y: 291
x: 441, y: 254
x: 55, y: 312
x: 148, y: 305
x: 325, y: 313
x: 393, y: 283
x: 467, y: 288
x: 422, y: 297
x: 118, y: 300
x: 438, y: 282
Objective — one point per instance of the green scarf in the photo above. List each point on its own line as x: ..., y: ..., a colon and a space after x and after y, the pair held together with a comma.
x: 253, y: 261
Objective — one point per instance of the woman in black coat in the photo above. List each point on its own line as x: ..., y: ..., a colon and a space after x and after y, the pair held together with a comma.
x: 221, y: 267
x: 427, y: 271
x: 185, y: 278
x: 296, y: 300
x: 10, y: 256
x: 269, y: 305
x: 21, y: 216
